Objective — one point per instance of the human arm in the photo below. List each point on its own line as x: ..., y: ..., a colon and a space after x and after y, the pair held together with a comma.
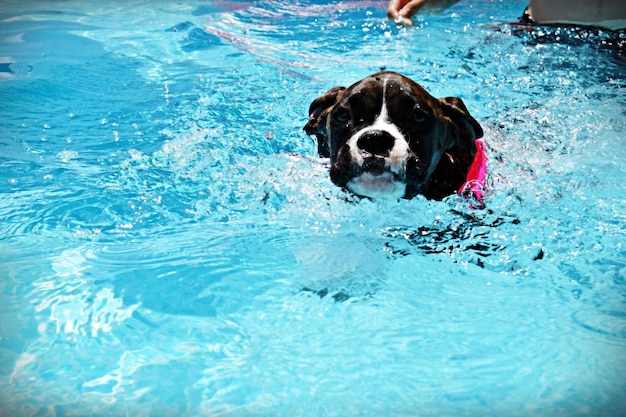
x: 605, y: 13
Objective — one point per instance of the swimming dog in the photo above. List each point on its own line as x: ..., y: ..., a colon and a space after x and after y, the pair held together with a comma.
x: 387, y: 137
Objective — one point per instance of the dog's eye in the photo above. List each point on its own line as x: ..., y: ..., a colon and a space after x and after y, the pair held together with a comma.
x: 342, y: 116
x: 419, y: 115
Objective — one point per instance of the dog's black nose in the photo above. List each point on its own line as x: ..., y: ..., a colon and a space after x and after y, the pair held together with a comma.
x: 376, y: 142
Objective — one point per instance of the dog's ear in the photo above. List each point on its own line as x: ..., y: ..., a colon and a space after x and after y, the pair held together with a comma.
x: 469, y: 129
x: 318, y: 112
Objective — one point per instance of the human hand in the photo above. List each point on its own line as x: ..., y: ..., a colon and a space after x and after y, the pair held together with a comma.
x: 400, y: 11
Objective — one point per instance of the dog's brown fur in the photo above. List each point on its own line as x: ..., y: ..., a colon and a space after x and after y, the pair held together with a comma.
x: 441, y: 137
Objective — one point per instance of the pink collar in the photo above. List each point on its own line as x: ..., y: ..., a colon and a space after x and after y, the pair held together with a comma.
x: 475, y: 183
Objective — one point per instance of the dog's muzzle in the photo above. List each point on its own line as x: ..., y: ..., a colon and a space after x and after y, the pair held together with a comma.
x: 377, y: 143
x: 380, y: 158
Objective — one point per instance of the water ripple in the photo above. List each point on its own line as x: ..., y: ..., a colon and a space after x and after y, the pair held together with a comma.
x: 608, y: 323
x: 170, y: 242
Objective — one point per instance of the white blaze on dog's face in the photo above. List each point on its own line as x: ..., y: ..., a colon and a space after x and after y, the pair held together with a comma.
x: 385, y: 183
x: 370, y: 152
x: 387, y: 137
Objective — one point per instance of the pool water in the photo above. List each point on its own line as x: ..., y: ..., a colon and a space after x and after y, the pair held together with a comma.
x: 171, y: 245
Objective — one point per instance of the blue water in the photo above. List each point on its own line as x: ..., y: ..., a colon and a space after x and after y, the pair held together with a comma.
x: 170, y: 244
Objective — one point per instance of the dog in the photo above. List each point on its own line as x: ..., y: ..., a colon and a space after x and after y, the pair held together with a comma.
x: 387, y: 137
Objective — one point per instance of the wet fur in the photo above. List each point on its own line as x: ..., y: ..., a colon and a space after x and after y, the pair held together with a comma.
x: 439, y: 134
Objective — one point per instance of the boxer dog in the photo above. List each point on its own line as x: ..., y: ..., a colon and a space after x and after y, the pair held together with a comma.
x: 387, y: 137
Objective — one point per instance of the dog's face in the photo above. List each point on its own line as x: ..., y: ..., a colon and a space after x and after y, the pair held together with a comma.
x: 387, y: 137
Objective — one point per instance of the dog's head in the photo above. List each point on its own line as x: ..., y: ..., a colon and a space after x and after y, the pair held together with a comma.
x: 387, y: 137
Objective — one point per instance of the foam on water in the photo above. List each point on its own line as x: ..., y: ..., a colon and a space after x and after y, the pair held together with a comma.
x: 171, y: 245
